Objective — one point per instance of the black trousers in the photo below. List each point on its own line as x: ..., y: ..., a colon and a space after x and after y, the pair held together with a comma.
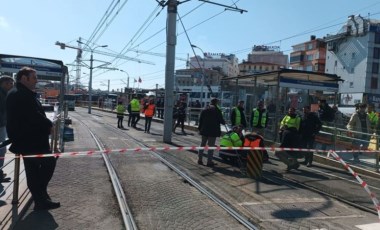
x: 120, y: 121
x: 39, y: 172
x: 148, y: 122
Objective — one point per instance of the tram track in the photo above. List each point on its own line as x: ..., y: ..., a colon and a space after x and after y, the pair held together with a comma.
x: 126, y: 213
x: 228, y: 208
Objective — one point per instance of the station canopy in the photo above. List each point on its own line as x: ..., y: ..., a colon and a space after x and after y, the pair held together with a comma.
x: 291, y: 78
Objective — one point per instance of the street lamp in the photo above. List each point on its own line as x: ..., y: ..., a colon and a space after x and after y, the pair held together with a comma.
x: 203, y: 73
x: 91, y: 67
x: 127, y: 78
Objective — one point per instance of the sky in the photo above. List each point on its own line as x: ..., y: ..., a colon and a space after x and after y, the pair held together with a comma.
x: 31, y: 28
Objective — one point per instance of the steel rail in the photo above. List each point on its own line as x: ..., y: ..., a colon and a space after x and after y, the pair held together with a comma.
x: 119, y: 192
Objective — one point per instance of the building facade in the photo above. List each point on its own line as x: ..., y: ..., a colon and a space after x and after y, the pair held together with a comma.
x: 227, y: 64
x: 354, y: 55
x: 309, y: 56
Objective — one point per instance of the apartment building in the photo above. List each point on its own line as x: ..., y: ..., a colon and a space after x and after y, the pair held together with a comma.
x: 354, y: 55
x: 309, y: 56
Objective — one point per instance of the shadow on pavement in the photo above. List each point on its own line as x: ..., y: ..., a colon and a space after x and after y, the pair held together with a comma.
x: 41, y: 220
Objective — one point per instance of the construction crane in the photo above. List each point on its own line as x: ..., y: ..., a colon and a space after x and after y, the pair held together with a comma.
x: 81, y: 49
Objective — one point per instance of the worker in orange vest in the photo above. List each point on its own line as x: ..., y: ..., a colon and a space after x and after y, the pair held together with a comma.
x: 150, y: 110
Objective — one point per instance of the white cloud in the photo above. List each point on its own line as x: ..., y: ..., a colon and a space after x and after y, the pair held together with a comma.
x: 3, y: 23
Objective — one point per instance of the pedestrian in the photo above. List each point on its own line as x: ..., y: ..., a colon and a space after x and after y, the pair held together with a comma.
x: 289, y: 138
x: 28, y: 130
x: 339, y: 118
x: 150, y: 110
x: 181, y: 117
x: 325, y: 112
x: 6, y: 84
x: 310, y: 126
x: 135, y: 111
x: 196, y: 111
x: 160, y: 108
x: 175, y: 115
x: 238, y: 116
x: 259, y: 119
x: 361, y: 125
x: 120, y: 110
x: 209, y: 128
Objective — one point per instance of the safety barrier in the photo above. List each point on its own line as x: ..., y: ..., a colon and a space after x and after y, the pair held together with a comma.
x: 361, y: 182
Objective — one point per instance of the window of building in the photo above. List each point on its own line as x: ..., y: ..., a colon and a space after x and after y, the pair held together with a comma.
x: 310, y: 57
x: 335, y: 63
x: 351, y: 84
x: 375, y: 67
x: 310, y: 46
x: 376, y: 53
x: 353, y: 55
x: 377, y: 38
x: 309, y: 68
x: 374, y: 82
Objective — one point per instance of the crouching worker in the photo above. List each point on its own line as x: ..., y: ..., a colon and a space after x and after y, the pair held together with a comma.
x: 233, y: 138
x: 289, y: 136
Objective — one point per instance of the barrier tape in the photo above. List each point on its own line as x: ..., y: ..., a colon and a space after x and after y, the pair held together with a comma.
x: 361, y: 182
x: 184, y: 148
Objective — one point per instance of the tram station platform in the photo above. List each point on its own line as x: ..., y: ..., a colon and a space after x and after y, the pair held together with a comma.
x: 82, y: 186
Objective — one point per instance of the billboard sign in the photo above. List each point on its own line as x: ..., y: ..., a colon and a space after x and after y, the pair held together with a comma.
x: 46, y: 69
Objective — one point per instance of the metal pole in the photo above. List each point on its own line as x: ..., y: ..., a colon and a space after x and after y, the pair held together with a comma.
x: 171, y: 40
x: 90, y: 84
x: 203, y: 77
x: 108, y: 90
x: 16, y: 179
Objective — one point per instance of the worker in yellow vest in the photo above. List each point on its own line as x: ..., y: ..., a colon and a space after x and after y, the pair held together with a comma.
x: 135, y: 111
x: 259, y: 119
x: 233, y: 138
x: 373, y: 118
x: 150, y: 110
x: 120, y: 110
x: 289, y: 138
x: 238, y: 116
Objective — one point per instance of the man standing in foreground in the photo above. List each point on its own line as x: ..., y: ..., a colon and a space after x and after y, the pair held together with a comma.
x: 209, y: 127
x: 6, y: 84
x: 29, y: 129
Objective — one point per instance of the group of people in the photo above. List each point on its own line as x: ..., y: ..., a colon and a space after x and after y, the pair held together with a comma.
x: 133, y: 108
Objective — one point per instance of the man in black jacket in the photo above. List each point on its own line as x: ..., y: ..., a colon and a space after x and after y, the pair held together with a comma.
x: 29, y: 129
x: 310, y: 126
x: 209, y: 127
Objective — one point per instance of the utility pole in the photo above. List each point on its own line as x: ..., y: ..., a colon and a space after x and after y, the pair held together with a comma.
x: 171, y: 41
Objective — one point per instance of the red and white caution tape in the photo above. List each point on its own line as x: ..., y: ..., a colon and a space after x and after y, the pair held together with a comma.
x: 361, y: 182
x: 183, y: 148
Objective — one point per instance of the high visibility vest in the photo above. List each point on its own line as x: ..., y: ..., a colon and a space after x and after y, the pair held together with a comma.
x: 373, y: 118
x: 291, y: 122
x: 231, y: 139
x: 149, y: 111
x: 135, y: 105
x: 256, y: 118
x: 237, y: 116
x: 120, y: 109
